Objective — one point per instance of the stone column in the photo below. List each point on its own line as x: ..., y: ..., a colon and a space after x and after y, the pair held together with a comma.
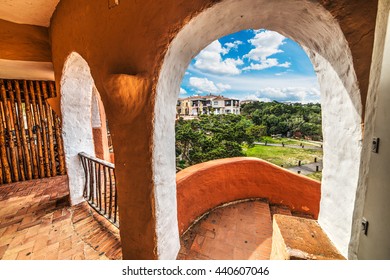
x: 130, y: 112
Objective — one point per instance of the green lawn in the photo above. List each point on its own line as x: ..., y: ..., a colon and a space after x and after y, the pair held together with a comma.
x: 283, y: 156
x: 287, y: 141
x: 316, y: 176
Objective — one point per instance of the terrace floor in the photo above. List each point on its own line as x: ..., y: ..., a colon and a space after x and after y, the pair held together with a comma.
x: 36, y: 222
x: 241, y: 231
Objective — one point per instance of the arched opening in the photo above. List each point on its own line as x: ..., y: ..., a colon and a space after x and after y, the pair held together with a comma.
x: 84, y: 122
x: 319, y: 34
x: 101, y: 137
x: 234, y: 208
x: 253, y: 93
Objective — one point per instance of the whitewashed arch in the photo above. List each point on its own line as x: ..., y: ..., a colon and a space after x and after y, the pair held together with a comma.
x: 76, y: 96
x: 314, y: 28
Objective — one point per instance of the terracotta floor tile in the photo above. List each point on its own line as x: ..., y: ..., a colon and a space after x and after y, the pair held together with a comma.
x: 240, y: 231
x: 37, y: 223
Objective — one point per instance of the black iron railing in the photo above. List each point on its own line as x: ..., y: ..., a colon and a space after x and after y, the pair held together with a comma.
x: 100, y: 188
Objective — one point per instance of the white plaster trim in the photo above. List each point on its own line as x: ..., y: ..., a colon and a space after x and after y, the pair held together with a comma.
x: 76, y: 96
x: 341, y: 128
x: 309, y: 24
x: 26, y: 70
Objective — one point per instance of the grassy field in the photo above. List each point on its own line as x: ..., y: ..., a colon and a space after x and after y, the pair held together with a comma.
x: 316, y: 176
x: 287, y: 141
x: 283, y: 156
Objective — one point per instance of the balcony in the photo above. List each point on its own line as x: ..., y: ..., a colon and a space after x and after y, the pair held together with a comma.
x: 231, y: 219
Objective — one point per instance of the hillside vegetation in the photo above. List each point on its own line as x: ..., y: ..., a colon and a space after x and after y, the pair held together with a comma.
x: 221, y: 136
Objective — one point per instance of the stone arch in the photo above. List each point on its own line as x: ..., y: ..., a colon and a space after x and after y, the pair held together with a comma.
x: 76, y: 107
x: 314, y: 28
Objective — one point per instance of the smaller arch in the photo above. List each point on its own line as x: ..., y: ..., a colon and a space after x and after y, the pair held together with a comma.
x: 76, y: 108
x: 99, y: 127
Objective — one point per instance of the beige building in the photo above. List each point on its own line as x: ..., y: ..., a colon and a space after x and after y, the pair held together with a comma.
x: 208, y: 104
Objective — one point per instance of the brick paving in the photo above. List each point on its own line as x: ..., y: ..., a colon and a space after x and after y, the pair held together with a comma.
x: 240, y: 231
x: 36, y: 222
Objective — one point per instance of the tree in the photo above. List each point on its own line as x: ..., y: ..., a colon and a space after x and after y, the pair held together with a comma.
x: 256, y: 131
x: 212, y: 137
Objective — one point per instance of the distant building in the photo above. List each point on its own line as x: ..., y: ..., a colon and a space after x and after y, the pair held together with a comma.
x: 208, y: 104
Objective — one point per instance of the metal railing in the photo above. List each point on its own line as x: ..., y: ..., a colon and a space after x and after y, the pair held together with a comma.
x: 100, y: 188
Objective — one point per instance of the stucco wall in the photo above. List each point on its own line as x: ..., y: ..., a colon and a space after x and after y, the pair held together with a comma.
x: 24, y: 42
x: 25, y: 52
x: 204, y: 186
x: 342, y: 136
x: 374, y: 169
x: 76, y: 96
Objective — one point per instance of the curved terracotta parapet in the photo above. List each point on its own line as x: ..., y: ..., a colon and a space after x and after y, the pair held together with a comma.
x: 204, y: 186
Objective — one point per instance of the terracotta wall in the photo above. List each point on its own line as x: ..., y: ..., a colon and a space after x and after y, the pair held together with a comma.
x: 134, y: 36
x: 24, y: 42
x: 204, y: 186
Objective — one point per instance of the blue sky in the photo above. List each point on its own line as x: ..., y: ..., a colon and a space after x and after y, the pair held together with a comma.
x: 253, y: 64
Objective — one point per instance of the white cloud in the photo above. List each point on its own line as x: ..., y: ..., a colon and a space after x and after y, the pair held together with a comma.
x: 266, y: 43
x: 249, y: 82
x: 210, y: 60
x: 289, y: 94
x: 268, y: 63
x: 183, y: 91
x: 205, y: 85
x: 232, y: 45
x: 255, y: 98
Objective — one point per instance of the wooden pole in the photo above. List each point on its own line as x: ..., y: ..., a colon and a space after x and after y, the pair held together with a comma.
x: 3, y: 151
x: 1, y: 170
x: 16, y: 128
x: 60, y: 147
x: 30, y: 124
x: 52, y: 89
x: 23, y: 131
x: 44, y: 89
x: 11, y: 144
x: 38, y: 131
x: 43, y: 125
x: 50, y: 132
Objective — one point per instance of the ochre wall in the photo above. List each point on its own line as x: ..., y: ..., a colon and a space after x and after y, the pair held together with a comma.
x: 204, y: 186
x: 132, y: 39
x: 24, y: 42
